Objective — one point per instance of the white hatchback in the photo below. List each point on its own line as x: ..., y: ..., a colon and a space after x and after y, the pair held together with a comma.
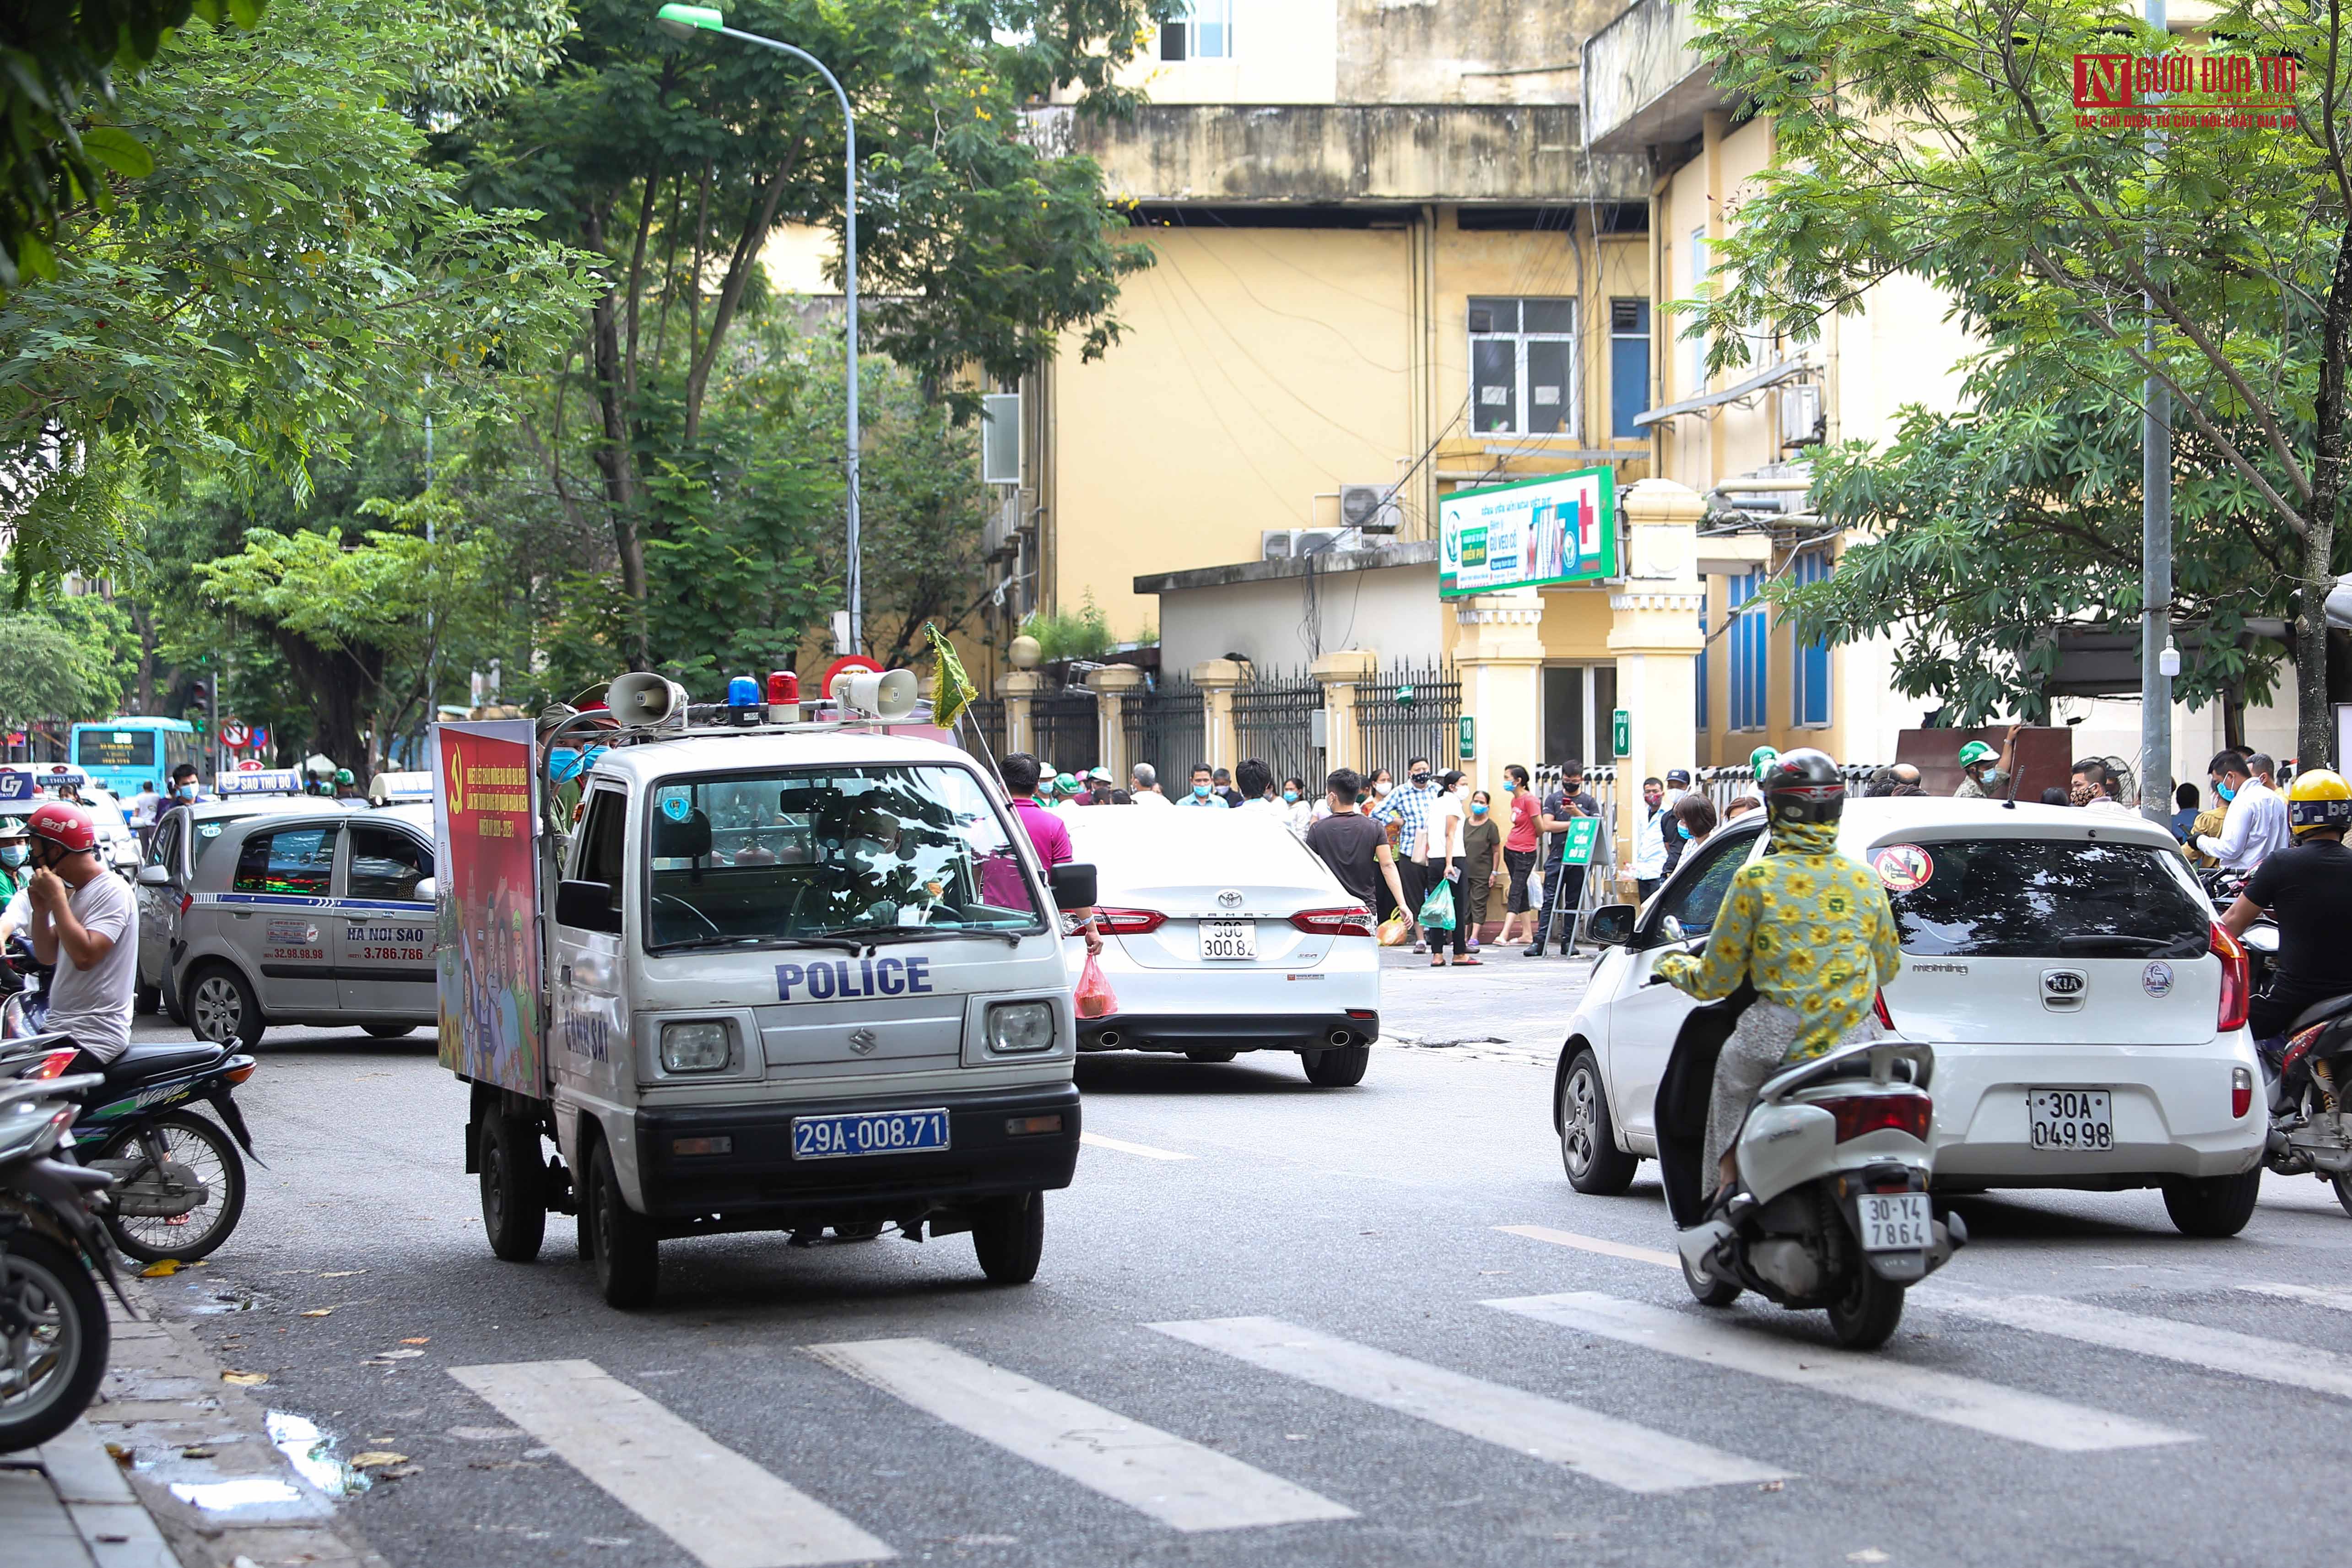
x: 2087, y: 1014
x: 1223, y: 933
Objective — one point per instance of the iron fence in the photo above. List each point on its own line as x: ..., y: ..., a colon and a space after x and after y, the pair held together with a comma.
x: 980, y: 729
x: 1167, y: 727
x: 1274, y: 720
x: 1406, y: 712
x: 1063, y: 733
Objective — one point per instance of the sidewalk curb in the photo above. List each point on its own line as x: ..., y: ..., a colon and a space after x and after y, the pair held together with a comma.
x: 163, y: 1420
x: 118, y: 1532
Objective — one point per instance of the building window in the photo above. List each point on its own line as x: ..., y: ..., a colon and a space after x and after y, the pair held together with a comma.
x: 1629, y: 366
x: 1205, y: 32
x: 1809, y: 702
x: 1751, y: 655
x: 1523, y: 367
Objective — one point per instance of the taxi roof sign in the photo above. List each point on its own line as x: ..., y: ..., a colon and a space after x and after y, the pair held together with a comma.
x: 417, y: 785
x: 258, y: 781
x: 23, y: 780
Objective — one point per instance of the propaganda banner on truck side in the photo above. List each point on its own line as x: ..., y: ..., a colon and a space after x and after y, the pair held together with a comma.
x: 485, y: 803
x: 1559, y: 529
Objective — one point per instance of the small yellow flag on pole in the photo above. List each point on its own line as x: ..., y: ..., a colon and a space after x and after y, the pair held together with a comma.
x: 953, y: 692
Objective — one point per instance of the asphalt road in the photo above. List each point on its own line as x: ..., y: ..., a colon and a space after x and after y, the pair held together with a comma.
x: 2082, y: 1386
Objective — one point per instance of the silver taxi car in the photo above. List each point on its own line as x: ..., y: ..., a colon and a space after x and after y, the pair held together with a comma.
x: 287, y: 910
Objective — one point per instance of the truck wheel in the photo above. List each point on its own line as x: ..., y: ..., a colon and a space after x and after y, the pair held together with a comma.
x: 1588, y: 1143
x: 1009, y: 1235
x: 628, y: 1259
x: 2212, y: 1205
x: 1340, y: 1068
x: 514, y: 1188
x: 389, y: 1031
x: 222, y: 1009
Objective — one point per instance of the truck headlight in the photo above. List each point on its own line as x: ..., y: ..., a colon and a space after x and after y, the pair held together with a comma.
x: 696, y: 1047
x: 1017, y: 1027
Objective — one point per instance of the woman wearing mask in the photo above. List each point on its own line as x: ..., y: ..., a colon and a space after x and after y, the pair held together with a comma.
x: 14, y: 845
x: 1482, y: 859
x: 1694, y: 820
x: 1440, y: 853
x: 1295, y: 806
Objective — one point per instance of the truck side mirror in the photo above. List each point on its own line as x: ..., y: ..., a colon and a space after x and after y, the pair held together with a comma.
x: 1610, y: 925
x: 1073, y: 886
x: 587, y: 906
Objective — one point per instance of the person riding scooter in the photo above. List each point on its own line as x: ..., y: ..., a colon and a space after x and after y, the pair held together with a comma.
x: 1807, y: 930
x: 2308, y: 887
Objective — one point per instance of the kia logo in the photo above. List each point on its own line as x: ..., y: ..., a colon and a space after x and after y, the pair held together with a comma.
x: 2064, y: 982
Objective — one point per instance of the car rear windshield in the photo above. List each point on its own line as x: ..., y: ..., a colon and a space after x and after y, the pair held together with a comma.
x: 2043, y: 898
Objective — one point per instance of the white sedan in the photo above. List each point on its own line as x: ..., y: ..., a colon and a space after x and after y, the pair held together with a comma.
x: 2087, y: 1014
x: 1223, y: 933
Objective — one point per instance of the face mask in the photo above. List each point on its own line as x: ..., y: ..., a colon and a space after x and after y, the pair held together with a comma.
x: 1290, y: 797
x: 1420, y: 779
x: 1381, y: 786
x: 12, y: 855
x: 2227, y: 792
x: 1477, y: 808
x: 186, y: 792
x: 1201, y: 791
x: 1684, y: 831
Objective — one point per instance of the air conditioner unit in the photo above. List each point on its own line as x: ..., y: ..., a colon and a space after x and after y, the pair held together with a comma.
x: 1321, y: 541
x: 1801, y: 414
x: 1273, y: 545
x: 1370, y: 508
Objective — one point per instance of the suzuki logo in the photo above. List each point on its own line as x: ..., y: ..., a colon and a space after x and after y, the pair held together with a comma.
x: 2064, y: 985
x: 863, y: 1042
x: 1231, y: 899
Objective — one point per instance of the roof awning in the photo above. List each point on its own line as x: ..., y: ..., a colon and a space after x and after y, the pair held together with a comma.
x: 1754, y: 383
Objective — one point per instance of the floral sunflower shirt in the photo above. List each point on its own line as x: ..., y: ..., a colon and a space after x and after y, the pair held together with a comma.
x: 1810, y: 928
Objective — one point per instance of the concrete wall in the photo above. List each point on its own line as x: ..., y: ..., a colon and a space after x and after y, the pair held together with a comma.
x: 1394, y: 610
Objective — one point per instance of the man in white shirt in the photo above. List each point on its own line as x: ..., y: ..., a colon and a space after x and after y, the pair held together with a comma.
x: 2256, y: 825
x: 2093, y: 788
x: 84, y: 923
x: 1255, y: 782
x: 1143, y: 783
x: 1650, y: 843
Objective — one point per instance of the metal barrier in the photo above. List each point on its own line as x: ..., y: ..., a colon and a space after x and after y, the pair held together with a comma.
x: 1407, y: 712
x: 1062, y: 730
x: 1724, y: 785
x: 1274, y: 720
x: 1167, y: 726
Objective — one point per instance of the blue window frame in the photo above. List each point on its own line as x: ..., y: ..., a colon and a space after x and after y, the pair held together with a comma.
x: 1751, y: 655
x: 1809, y: 694
x: 1702, y: 665
x: 1629, y: 367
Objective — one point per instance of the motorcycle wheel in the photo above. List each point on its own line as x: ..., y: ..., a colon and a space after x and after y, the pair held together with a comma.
x: 49, y: 1377
x: 200, y: 1144
x: 1864, y: 1319
x: 1707, y: 1290
x: 2342, y: 1183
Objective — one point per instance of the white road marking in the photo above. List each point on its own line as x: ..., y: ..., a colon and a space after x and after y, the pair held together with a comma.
x: 2192, y: 1345
x: 1873, y: 1378
x: 1617, y: 1452
x: 1120, y: 1144
x: 1176, y: 1482
x: 721, y: 1507
x: 2311, y: 1294
x: 1599, y: 1244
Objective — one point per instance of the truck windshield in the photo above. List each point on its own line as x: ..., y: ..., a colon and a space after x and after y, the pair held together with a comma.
x: 808, y: 853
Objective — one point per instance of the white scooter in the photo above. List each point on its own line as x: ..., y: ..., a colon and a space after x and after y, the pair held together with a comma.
x: 1831, y: 1207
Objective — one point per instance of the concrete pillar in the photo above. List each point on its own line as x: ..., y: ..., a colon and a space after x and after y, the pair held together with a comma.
x: 1216, y: 677
x: 1114, y: 685
x: 1018, y: 688
x: 1499, y: 653
x: 1342, y: 675
x: 1653, y: 632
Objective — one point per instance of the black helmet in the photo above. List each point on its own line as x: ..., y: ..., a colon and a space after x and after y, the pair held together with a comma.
x: 1803, y: 785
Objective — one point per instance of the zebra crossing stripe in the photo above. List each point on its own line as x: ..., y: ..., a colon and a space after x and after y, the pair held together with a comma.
x: 1178, y: 1483
x: 2168, y: 1339
x: 1619, y: 1453
x: 2311, y: 1295
x: 722, y: 1509
x: 1873, y: 1378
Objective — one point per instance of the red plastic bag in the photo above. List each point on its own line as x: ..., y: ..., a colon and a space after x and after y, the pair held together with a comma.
x: 1093, y: 995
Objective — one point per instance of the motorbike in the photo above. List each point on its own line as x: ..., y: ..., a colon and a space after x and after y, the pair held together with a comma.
x: 25, y: 979
x: 1830, y: 1210
x: 54, y: 1334
x: 2310, y: 1082
x: 180, y: 1180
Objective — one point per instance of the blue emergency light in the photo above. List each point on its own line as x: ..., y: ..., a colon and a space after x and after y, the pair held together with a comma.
x: 743, y: 701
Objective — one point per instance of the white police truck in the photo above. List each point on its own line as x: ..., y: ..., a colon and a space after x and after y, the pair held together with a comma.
x: 749, y: 972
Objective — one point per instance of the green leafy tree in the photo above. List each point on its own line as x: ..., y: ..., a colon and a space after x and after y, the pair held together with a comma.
x: 48, y: 671
x: 1944, y: 144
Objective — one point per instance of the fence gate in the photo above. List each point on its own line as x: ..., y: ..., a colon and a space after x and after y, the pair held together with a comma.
x: 980, y: 729
x: 1274, y: 720
x: 1063, y: 731
x: 1166, y: 727
x: 1408, y: 712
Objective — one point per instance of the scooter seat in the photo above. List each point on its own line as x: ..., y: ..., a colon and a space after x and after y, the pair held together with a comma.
x: 144, y: 1064
x: 2320, y: 1012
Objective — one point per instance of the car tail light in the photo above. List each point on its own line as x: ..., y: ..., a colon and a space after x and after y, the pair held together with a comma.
x: 1129, y: 922
x: 2237, y: 979
x: 1356, y: 922
x: 2241, y: 1091
x: 1878, y: 1005
x: 1864, y: 1113
x: 51, y: 1064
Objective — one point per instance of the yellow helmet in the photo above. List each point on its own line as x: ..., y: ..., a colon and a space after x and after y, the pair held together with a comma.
x: 2318, y: 799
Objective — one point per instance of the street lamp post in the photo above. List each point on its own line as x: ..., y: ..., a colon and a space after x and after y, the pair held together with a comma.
x: 2156, y: 661
x: 685, y: 21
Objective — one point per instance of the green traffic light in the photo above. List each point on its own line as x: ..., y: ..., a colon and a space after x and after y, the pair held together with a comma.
x: 683, y: 21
